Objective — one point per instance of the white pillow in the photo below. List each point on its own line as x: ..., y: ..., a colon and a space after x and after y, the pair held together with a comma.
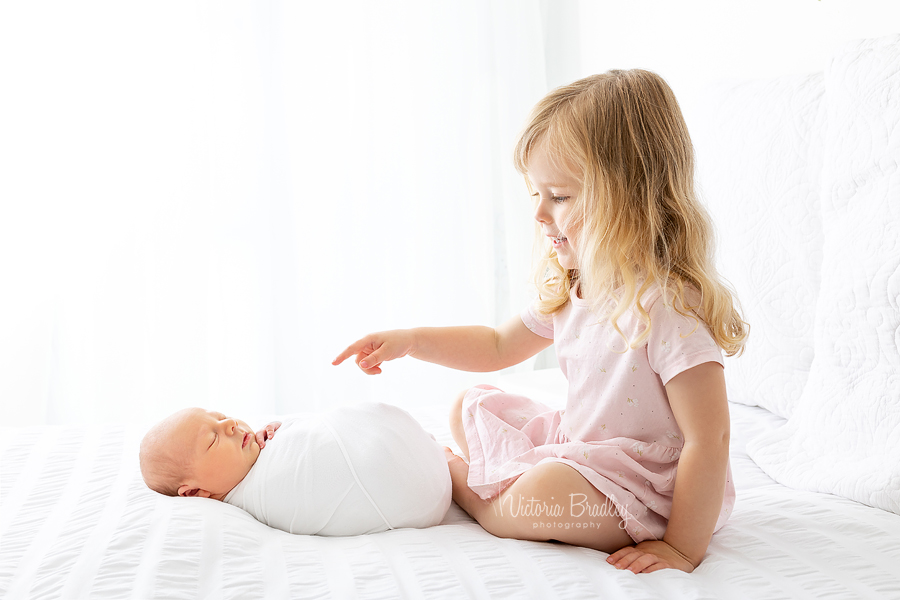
x: 759, y: 163
x: 844, y: 435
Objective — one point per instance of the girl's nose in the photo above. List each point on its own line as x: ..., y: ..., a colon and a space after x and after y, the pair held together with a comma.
x: 540, y: 213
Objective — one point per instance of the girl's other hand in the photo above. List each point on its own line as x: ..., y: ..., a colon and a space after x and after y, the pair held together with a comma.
x: 377, y: 348
x: 650, y: 556
x: 267, y: 433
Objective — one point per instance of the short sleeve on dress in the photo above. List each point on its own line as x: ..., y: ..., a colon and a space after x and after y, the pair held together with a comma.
x: 678, y: 343
x: 538, y: 323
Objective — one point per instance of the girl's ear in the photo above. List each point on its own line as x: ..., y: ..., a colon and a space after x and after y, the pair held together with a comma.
x: 187, y: 491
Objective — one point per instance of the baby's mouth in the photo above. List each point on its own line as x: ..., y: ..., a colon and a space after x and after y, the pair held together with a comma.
x: 247, y: 438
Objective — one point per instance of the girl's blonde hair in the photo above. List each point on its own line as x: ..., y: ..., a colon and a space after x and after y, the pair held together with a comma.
x: 639, y: 222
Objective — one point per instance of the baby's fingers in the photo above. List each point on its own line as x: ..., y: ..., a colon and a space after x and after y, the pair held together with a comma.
x: 270, y: 430
x: 267, y: 433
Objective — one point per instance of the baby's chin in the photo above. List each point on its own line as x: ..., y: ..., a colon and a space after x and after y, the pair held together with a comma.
x: 255, y: 450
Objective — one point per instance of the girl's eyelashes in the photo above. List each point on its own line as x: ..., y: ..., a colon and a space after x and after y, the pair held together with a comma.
x: 556, y: 199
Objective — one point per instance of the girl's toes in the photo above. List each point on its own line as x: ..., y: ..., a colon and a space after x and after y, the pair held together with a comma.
x: 459, y: 470
x: 454, y: 461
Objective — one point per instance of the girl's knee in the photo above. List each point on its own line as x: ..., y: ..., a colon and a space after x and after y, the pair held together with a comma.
x: 456, y: 407
x: 550, y: 478
x: 456, y: 424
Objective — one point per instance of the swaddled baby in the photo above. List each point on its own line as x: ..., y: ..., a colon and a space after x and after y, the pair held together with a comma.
x: 350, y: 471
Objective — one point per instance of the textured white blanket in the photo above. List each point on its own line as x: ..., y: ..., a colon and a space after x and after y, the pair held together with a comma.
x: 351, y: 471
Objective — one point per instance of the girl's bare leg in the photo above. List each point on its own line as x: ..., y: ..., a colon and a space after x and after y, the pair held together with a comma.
x: 456, y: 424
x: 552, y: 501
x: 578, y: 513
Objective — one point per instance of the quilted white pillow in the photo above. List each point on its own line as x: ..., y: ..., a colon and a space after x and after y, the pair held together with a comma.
x: 844, y: 435
x: 759, y: 156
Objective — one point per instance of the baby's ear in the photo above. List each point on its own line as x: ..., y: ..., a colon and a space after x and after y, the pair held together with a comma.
x: 187, y: 492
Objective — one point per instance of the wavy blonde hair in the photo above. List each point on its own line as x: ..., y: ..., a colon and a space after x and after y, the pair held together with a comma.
x: 622, y: 135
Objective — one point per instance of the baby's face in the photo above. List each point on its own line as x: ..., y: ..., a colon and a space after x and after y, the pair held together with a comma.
x: 221, y: 450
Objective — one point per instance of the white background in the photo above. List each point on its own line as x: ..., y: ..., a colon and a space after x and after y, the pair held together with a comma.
x: 202, y: 203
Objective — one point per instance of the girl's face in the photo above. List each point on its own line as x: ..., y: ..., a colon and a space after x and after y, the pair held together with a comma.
x: 556, y: 189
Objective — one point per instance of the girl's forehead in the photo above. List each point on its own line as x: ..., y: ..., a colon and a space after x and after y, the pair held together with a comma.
x: 547, y: 168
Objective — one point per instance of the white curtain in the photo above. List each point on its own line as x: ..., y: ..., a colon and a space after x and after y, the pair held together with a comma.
x: 202, y: 203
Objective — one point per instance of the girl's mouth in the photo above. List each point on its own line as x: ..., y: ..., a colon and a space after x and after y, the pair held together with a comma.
x: 558, y: 240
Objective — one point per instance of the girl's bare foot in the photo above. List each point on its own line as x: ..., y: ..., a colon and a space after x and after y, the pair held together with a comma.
x: 459, y: 474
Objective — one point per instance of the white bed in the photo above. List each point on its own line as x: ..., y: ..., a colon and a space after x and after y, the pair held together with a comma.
x: 77, y: 522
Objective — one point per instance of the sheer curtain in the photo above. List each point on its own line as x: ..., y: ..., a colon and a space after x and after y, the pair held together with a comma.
x: 202, y: 203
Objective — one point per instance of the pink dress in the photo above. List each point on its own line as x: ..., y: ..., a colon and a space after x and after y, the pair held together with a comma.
x: 617, y: 429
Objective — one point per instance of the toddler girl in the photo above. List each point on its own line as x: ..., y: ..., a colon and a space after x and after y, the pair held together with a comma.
x: 629, y: 293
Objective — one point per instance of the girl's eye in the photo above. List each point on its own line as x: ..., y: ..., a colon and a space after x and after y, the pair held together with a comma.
x: 559, y: 199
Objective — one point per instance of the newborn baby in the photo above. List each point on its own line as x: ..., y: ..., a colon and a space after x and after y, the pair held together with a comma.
x: 351, y: 471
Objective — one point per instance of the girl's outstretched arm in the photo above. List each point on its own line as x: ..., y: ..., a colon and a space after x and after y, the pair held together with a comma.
x: 472, y: 348
x: 700, y: 406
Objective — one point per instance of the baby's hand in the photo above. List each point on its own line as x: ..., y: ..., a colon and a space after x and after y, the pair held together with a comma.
x: 267, y: 433
x: 650, y: 556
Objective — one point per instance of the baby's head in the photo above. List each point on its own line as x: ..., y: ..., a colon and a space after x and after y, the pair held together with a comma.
x: 197, y: 452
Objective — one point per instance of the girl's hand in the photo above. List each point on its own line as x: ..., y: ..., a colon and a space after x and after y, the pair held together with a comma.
x: 650, y: 556
x: 377, y: 348
x: 267, y: 433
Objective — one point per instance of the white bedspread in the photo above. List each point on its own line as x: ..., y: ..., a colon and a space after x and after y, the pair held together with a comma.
x: 76, y: 521
x: 351, y: 471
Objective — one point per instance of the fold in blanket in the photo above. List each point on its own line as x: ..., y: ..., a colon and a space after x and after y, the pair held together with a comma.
x: 351, y: 471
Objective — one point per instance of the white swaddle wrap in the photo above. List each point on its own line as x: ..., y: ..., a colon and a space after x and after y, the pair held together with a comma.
x: 351, y: 471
